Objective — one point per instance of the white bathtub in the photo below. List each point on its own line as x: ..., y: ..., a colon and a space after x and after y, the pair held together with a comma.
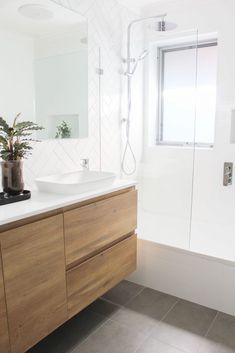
x: 202, y: 279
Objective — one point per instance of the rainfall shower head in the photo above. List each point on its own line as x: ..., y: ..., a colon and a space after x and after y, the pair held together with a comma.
x: 162, y: 26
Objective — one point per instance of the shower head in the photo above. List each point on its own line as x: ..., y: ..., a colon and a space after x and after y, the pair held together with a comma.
x: 143, y: 55
x: 162, y: 26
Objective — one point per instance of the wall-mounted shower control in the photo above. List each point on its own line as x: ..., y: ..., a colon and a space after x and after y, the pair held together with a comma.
x: 228, y: 173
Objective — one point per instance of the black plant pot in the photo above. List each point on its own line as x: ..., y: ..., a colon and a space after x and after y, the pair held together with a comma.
x: 12, y: 177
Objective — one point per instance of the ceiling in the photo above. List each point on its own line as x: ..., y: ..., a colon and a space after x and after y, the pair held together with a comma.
x: 137, y: 4
x: 62, y: 19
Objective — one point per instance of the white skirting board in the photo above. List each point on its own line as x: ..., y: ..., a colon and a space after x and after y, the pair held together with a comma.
x: 197, y: 278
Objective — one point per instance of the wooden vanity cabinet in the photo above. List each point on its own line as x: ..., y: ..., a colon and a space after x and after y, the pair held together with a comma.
x: 94, y: 277
x: 35, y: 284
x: 54, y: 265
x: 93, y: 227
x: 4, y: 338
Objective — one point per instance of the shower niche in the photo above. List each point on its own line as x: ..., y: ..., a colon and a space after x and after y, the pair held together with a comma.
x: 44, y: 67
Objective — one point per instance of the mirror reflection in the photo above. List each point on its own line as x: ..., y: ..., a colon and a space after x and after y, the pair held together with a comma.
x: 44, y: 67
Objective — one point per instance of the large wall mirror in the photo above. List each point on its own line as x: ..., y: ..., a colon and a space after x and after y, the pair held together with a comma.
x: 44, y: 67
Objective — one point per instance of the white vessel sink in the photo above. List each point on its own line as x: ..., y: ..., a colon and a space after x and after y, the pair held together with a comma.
x: 75, y: 182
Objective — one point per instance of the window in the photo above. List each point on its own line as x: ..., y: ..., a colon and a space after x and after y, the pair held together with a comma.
x: 187, y: 94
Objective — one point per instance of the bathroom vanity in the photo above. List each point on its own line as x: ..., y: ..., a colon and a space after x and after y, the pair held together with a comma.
x: 54, y: 263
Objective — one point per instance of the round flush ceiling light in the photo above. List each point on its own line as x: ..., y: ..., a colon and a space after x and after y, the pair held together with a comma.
x: 36, y: 12
x: 84, y: 40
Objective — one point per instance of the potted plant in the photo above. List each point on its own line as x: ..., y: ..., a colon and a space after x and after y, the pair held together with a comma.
x: 14, y: 146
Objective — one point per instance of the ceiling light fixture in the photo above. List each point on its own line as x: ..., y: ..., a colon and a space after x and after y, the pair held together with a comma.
x: 36, y: 12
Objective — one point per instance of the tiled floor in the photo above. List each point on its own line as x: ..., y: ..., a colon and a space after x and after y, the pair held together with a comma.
x: 134, y: 319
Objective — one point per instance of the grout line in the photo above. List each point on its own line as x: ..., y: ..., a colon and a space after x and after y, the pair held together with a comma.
x: 212, y: 324
x: 90, y: 334
x: 136, y: 295
x: 171, y: 308
x: 172, y: 346
x: 110, y: 302
x: 109, y: 319
x: 105, y: 317
x: 159, y: 322
x: 123, y: 305
x: 151, y: 330
x: 208, y: 330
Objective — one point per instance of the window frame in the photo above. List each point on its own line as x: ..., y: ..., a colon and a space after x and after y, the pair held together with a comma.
x: 161, y: 51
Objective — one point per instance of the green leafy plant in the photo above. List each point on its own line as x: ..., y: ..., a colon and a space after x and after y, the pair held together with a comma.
x: 15, y: 141
x: 63, y: 131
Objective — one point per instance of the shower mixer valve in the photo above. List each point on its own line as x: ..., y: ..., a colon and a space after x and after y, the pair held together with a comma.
x: 228, y: 174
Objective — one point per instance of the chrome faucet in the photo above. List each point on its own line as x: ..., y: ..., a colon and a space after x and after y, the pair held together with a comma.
x: 85, y: 163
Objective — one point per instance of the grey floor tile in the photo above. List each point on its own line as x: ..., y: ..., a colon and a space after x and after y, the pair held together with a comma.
x: 221, y: 337
x: 144, y: 311
x: 105, y: 327
x: 152, y: 304
x: 151, y: 345
x: 185, y: 326
x: 134, y: 319
x: 123, y: 292
x: 104, y: 307
x: 112, y: 338
x: 71, y: 334
x: 209, y: 346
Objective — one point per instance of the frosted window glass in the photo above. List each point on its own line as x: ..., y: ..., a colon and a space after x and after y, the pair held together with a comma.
x: 183, y: 70
x: 206, y: 94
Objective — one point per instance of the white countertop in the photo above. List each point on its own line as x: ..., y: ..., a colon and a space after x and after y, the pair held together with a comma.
x: 44, y: 202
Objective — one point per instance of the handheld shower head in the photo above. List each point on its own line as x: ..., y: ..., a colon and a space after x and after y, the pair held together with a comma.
x: 143, y: 55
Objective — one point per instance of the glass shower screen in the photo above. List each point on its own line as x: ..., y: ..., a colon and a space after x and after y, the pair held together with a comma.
x: 167, y: 170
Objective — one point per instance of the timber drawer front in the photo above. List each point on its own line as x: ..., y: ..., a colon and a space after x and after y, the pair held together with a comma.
x: 55, y: 264
x: 94, y: 277
x: 91, y: 228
